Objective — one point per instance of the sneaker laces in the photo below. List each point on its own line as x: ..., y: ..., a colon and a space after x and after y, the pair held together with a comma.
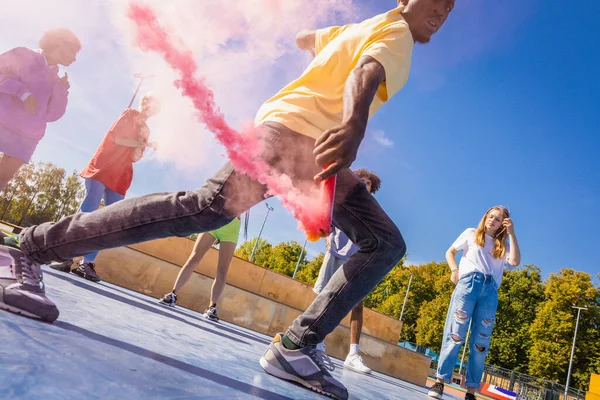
x: 322, y: 359
x: 31, y: 273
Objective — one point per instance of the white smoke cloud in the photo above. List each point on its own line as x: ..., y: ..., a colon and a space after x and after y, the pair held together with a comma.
x: 245, y: 50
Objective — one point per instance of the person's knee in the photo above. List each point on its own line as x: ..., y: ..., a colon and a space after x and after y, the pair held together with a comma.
x: 394, y: 245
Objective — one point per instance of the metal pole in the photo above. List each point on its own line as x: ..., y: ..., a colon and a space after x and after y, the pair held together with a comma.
x: 406, y: 297
x: 269, y: 208
x: 299, y: 259
x: 573, y: 349
x: 462, y: 360
x: 141, y: 78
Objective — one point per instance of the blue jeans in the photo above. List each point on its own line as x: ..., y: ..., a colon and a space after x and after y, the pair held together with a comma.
x: 474, y: 300
x: 94, y: 192
x: 222, y: 198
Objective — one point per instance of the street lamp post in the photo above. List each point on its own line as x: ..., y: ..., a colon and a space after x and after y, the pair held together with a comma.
x: 299, y: 258
x: 269, y: 208
x: 406, y: 297
x: 573, y: 349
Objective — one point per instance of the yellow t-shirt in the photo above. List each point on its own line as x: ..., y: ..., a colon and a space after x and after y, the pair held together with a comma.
x: 313, y: 103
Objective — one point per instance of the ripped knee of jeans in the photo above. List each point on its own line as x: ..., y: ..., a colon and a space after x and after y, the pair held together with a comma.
x: 455, y: 338
x: 461, y: 316
x: 480, y: 348
x: 488, y: 322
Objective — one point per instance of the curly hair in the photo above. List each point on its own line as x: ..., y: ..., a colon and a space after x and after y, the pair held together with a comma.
x: 372, y: 176
x: 56, y: 37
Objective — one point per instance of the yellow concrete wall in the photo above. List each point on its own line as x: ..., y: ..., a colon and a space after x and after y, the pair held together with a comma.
x: 594, y: 392
x: 267, y: 283
x: 146, y: 274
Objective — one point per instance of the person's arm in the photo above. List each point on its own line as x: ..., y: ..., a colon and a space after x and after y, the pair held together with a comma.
x: 315, y: 40
x: 514, y: 255
x: 451, y: 259
x: 337, y: 148
x: 381, y: 71
x: 9, y: 84
x: 123, y: 141
x: 305, y: 40
x: 57, y: 104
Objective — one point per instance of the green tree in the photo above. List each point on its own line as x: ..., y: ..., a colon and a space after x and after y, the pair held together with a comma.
x: 263, y: 251
x: 40, y: 193
x: 429, y: 329
x: 310, y: 272
x: 554, y: 325
x: 429, y: 281
x: 519, y: 296
x: 284, y: 258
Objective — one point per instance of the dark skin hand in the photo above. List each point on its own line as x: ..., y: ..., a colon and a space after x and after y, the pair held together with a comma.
x: 337, y: 148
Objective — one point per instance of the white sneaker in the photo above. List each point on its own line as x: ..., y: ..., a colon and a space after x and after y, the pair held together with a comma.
x: 356, y: 363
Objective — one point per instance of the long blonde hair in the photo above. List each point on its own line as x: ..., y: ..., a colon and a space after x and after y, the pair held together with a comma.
x: 499, y: 237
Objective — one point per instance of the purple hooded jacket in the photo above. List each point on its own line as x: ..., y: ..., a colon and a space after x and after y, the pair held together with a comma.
x: 22, y: 72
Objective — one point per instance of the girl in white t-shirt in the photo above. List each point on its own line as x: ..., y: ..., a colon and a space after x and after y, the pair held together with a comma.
x: 487, y: 250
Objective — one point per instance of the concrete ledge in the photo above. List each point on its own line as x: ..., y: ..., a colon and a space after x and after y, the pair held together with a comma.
x: 152, y: 276
x: 264, y: 282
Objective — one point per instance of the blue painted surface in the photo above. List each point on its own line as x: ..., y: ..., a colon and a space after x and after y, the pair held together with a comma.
x: 111, y: 343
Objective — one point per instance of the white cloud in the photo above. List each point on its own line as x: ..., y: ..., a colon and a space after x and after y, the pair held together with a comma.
x: 380, y: 137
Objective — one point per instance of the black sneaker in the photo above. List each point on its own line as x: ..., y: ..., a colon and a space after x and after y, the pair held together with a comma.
x: 87, y: 271
x: 63, y: 266
x: 436, y: 391
x: 22, y: 288
x: 470, y: 396
x: 169, y: 299
x: 306, y: 366
x: 211, y: 313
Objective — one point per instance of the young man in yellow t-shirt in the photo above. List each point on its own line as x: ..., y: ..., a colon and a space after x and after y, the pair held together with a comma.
x: 317, y: 120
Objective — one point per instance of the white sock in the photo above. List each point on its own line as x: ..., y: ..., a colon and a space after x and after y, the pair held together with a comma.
x: 353, y: 349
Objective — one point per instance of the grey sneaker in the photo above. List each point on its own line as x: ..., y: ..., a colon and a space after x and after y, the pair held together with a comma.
x: 212, y: 314
x: 63, y: 266
x: 22, y: 287
x: 305, y: 366
x: 87, y: 271
x: 169, y: 299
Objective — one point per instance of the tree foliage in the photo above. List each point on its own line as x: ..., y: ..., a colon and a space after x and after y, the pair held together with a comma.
x: 40, y: 193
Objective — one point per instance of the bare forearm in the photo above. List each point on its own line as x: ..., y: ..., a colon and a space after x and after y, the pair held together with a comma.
x: 514, y: 257
x: 451, y: 260
x: 129, y: 142
x: 359, y: 92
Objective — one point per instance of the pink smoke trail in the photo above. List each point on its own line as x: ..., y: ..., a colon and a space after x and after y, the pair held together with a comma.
x: 312, y: 213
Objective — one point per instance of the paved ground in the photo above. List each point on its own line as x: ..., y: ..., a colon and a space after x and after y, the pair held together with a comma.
x: 111, y: 343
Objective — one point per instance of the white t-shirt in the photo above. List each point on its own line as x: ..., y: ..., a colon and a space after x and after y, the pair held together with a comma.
x: 480, y: 259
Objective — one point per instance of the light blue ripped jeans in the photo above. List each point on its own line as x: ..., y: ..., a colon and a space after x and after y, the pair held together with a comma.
x: 475, y: 300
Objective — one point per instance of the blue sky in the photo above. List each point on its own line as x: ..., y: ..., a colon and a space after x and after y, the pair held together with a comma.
x: 501, y: 108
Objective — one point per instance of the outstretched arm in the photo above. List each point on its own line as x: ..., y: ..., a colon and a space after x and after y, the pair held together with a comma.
x: 337, y: 148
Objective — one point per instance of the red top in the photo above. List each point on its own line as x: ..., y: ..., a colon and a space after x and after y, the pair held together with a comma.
x: 112, y: 165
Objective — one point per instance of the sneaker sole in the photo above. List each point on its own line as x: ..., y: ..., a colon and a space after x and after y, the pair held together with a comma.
x: 84, y: 276
x: 162, y: 303
x: 434, y: 395
x: 271, y: 370
x: 210, y: 319
x: 357, y: 370
x: 15, y: 310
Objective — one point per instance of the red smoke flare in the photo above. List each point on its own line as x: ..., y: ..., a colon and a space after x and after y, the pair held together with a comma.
x: 312, y: 213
